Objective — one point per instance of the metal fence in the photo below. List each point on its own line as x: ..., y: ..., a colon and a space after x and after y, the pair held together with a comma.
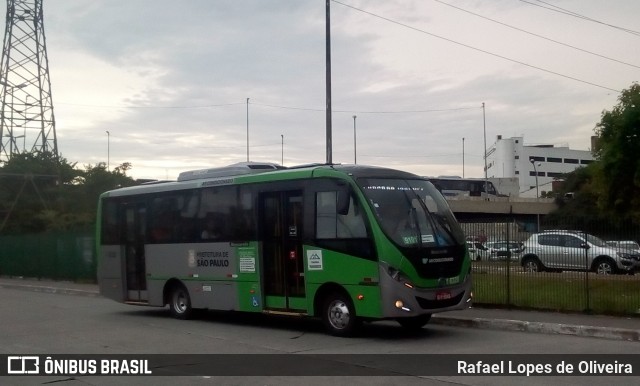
x: 560, y: 269
x: 500, y: 279
x: 59, y: 256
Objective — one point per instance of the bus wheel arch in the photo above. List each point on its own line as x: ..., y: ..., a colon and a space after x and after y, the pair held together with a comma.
x: 334, y: 306
x: 177, y: 296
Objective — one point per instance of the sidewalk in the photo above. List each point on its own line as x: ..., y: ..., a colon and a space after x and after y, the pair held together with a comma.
x: 598, y: 326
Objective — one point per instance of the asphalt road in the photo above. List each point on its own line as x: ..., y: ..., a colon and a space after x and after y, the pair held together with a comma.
x: 44, y: 323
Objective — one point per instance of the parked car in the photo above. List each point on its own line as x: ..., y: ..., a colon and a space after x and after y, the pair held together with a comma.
x: 624, y: 244
x: 503, y: 250
x: 568, y: 250
x: 477, y: 251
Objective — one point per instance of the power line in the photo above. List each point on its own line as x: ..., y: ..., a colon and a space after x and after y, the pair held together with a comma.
x: 555, y: 8
x: 475, y: 48
x: 274, y: 106
x: 536, y: 35
x: 367, y: 112
x: 409, y: 156
x: 153, y: 106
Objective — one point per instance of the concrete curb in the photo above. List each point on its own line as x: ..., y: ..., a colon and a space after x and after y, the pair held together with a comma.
x: 540, y: 327
x: 51, y: 290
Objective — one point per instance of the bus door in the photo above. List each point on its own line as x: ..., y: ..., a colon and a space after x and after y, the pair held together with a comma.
x: 134, y: 227
x: 281, y: 219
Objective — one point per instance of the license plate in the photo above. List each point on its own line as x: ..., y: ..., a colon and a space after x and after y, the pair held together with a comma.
x: 443, y: 295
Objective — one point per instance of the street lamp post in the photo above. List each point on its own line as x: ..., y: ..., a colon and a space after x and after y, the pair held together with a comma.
x: 486, y: 169
x: 247, y: 129
x: 535, y: 171
x: 282, y: 149
x: 108, y: 148
x: 355, y: 161
x: 462, y: 157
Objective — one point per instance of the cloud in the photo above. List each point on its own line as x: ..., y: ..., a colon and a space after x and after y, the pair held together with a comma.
x: 170, y: 80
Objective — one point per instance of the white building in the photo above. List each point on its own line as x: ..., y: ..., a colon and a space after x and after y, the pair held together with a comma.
x: 510, y: 157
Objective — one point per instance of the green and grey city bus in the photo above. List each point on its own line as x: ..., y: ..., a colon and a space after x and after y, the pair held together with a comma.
x: 341, y: 242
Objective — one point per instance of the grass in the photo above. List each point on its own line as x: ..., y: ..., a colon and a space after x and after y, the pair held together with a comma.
x: 505, y: 284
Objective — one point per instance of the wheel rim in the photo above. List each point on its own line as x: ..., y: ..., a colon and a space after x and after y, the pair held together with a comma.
x: 531, y: 266
x: 604, y: 268
x: 339, y: 315
x: 180, y: 302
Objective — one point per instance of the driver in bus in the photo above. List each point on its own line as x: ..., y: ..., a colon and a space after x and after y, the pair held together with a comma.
x: 211, y: 230
x: 398, y: 221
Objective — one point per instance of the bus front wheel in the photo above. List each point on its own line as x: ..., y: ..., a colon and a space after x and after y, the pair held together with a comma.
x: 338, y: 315
x: 180, y: 303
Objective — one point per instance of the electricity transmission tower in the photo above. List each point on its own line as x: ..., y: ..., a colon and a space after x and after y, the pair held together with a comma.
x: 27, y: 122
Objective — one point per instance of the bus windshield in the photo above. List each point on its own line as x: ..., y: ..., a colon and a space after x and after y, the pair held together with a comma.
x: 412, y: 212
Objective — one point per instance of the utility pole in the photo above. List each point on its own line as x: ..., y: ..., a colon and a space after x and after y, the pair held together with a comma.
x: 328, y: 81
x: 484, y: 129
x: 355, y: 160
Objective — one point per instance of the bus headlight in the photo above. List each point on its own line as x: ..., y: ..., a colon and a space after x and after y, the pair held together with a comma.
x: 400, y: 305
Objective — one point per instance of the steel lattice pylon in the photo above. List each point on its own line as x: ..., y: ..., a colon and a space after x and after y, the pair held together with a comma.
x: 27, y: 122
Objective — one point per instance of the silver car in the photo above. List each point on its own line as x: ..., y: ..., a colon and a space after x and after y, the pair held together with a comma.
x: 570, y: 250
x: 624, y: 244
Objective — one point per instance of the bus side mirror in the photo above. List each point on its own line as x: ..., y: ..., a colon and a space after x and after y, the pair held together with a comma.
x: 343, y: 202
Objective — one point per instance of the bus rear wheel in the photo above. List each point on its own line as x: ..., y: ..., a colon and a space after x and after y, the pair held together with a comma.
x: 338, y: 315
x: 414, y: 323
x: 180, y: 303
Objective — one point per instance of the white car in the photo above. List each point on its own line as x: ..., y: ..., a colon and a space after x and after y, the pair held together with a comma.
x: 503, y: 250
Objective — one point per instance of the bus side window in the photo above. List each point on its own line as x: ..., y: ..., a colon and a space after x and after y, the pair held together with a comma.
x: 351, y: 225
x: 326, y: 215
x: 331, y: 225
x: 212, y: 227
x: 110, y: 223
x: 161, y: 230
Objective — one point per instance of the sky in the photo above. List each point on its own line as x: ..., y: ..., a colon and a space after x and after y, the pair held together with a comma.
x: 169, y: 80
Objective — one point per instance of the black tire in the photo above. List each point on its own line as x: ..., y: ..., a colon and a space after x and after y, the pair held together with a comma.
x: 532, y: 264
x: 339, y: 315
x: 414, y: 323
x: 180, y: 302
x: 605, y: 266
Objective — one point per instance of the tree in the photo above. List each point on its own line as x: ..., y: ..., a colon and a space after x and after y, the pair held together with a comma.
x: 618, y: 174
x: 31, y: 183
x: 41, y: 192
x: 576, y: 200
x: 96, y: 179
